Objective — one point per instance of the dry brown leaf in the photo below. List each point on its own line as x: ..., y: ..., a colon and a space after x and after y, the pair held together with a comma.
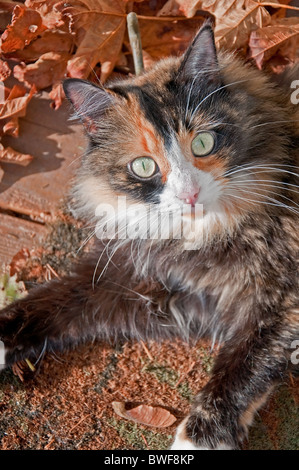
x: 8, y: 5
x: 4, y: 70
x: 16, y: 103
x: 154, y: 416
x: 11, y: 127
x: 99, y: 26
x: 14, y: 106
x: 282, y: 37
x: 10, y: 155
x: 6, y: 9
x: 161, y: 39
x: 48, y: 69
x: 16, y: 92
x: 26, y: 25
x: 186, y: 8
x: 234, y: 19
x: 51, y: 17
x: 233, y: 29
x: 57, y: 95
x: 49, y: 41
x: 19, y: 261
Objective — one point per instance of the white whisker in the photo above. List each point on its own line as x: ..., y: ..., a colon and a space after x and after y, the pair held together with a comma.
x: 276, y: 204
x: 264, y: 169
x: 272, y: 122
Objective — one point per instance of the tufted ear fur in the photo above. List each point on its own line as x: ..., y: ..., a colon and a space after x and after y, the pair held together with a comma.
x: 90, y: 101
x: 201, y: 56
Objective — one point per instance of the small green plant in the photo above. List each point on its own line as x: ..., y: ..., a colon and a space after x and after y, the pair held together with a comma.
x: 10, y: 289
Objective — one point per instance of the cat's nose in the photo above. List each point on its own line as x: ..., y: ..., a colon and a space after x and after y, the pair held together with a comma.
x: 189, y: 197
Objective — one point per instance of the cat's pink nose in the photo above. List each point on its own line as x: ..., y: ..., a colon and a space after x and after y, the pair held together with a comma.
x: 189, y: 197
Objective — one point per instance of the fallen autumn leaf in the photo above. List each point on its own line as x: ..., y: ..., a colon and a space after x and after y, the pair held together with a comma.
x: 154, y: 416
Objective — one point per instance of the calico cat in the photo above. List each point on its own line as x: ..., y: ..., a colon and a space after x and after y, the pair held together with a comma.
x: 200, y: 130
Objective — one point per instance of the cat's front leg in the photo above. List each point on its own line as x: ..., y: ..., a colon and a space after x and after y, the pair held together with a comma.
x: 62, y: 313
x: 244, y: 373
x: 49, y: 318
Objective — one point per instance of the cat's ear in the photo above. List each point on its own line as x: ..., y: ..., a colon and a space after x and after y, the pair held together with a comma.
x: 90, y: 101
x: 201, y: 56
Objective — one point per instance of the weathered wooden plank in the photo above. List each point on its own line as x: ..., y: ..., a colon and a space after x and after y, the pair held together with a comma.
x: 56, y: 144
x: 16, y: 233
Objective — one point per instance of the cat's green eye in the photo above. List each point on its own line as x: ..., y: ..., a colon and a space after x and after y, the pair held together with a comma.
x: 144, y: 167
x: 203, y: 144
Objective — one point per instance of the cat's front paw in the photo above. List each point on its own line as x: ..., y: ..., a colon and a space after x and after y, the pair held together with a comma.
x: 183, y: 441
x: 18, y: 338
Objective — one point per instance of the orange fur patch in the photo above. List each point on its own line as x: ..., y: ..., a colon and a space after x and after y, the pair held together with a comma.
x: 149, y: 143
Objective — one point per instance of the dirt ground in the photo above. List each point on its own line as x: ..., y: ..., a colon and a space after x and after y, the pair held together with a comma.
x: 68, y: 404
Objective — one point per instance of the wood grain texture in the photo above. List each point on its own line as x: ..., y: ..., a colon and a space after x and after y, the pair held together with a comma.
x: 36, y: 190
x: 16, y: 233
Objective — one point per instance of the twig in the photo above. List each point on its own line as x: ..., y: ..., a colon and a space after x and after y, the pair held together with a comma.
x: 30, y: 365
x: 52, y: 271
x: 79, y: 422
x: 52, y: 439
x: 147, y: 351
x: 135, y: 42
x: 145, y: 441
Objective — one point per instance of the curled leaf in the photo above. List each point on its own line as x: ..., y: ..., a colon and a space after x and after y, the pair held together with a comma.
x: 26, y: 25
x: 11, y: 127
x: 57, y: 95
x: 16, y: 103
x: 4, y: 70
x: 49, y: 41
x: 19, y: 261
x: 10, y: 155
x: 154, y: 416
x: 6, y: 10
x: 46, y: 8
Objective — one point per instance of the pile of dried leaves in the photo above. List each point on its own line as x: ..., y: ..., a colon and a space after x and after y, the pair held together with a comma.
x: 44, y: 41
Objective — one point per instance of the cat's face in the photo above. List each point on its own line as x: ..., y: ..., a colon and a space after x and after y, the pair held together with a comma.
x: 191, y: 131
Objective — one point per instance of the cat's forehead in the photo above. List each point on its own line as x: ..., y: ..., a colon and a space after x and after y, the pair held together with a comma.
x: 152, y: 98
x: 167, y: 102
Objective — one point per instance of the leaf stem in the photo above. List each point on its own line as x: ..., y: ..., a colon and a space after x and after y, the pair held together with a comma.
x: 277, y: 5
